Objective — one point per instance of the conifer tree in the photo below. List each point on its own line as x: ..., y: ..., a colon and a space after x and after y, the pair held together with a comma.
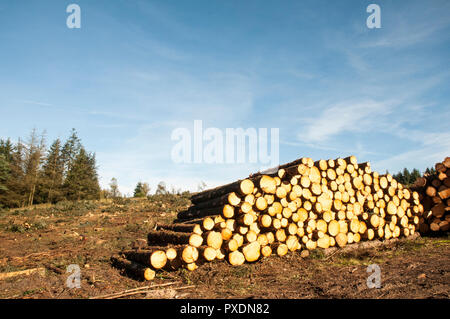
x: 50, y: 188
x: 4, y: 173
x: 15, y: 194
x: 5, y: 157
x: 70, y: 150
x: 138, y: 190
x: 82, y: 179
x: 141, y: 190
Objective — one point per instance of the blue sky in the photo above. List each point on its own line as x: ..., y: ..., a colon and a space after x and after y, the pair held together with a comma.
x: 136, y: 70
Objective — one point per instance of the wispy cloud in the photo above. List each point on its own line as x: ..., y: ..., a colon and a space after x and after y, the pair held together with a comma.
x: 408, y: 28
x: 35, y: 103
x: 349, y: 116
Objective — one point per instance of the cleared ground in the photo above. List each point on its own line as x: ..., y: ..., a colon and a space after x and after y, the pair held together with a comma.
x: 88, y: 233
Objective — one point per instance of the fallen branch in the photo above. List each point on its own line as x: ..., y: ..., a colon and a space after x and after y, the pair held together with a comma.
x: 135, y: 289
x: 27, y: 272
x: 146, y: 292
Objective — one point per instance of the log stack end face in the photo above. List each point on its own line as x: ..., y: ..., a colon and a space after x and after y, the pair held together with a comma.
x: 304, y: 205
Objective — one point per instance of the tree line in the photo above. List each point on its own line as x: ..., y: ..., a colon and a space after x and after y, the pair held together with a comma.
x: 141, y: 190
x: 31, y: 173
x: 408, y: 178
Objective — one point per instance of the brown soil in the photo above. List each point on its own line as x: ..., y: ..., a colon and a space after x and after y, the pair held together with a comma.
x: 88, y: 233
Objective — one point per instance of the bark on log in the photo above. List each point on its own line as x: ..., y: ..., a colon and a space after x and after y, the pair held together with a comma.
x: 163, y: 237
x: 133, y: 268
x: 241, y: 187
x: 194, y: 213
x: 184, y: 228
x: 156, y: 258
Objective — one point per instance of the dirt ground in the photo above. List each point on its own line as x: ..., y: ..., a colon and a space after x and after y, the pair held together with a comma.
x: 89, y: 233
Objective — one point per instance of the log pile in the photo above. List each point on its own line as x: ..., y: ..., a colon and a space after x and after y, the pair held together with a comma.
x: 301, y: 206
x: 434, y: 195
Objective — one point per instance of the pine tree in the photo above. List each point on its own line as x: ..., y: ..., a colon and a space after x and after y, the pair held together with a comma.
x: 141, y: 190
x: 15, y: 195
x: 138, y: 190
x: 6, y: 149
x: 70, y: 150
x: 50, y: 188
x: 4, y: 173
x: 82, y: 179
x: 406, y: 176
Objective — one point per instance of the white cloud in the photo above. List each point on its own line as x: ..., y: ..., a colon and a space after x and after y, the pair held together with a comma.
x: 351, y: 116
x: 36, y: 103
x: 420, y: 158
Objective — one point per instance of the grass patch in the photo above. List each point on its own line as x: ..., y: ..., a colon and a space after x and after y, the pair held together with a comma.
x: 317, y: 254
x: 241, y: 271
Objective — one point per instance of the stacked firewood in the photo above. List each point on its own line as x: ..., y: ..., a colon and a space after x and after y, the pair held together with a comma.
x: 299, y: 206
x: 434, y: 194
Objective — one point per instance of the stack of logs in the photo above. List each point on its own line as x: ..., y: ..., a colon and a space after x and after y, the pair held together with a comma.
x: 434, y: 191
x: 299, y: 206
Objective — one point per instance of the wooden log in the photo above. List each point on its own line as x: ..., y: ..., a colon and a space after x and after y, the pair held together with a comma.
x: 213, y: 239
x: 184, y: 228
x: 341, y: 239
x: 420, y: 182
x: 207, y: 253
x: 163, y: 237
x: 241, y: 187
x: 189, y: 254
x: 194, y: 213
x: 292, y: 243
x: 191, y: 266
x: 226, y: 233
x: 440, y: 167
x: 236, y: 258
x: 133, y: 268
x: 190, y: 220
x: 251, y: 236
x: 438, y: 210
x: 446, y: 162
x: 281, y: 248
x: 267, y: 184
x: 208, y: 224
x: 155, y: 258
x: 430, y: 191
x: 252, y: 251
x: 266, y: 251
x: 231, y: 199
x: 444, y: 194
